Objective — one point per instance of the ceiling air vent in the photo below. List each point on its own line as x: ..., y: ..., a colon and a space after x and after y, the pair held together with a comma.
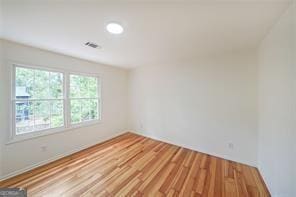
x: 93, y: 45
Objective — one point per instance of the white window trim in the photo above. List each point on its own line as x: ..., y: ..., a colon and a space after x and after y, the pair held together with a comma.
x: 68, y: 112
x: 13, y: 138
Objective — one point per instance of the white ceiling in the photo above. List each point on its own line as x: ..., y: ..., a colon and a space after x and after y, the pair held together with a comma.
x: 156, y: 32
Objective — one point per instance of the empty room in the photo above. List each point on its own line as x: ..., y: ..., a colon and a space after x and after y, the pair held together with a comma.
x: 147, y: 98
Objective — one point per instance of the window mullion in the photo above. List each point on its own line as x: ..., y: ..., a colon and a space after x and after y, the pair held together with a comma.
x: 37, y: 100
x: 84, y: 98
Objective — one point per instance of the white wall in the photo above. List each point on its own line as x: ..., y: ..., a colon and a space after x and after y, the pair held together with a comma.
x: 203, y: 105
x: 22, y: 155
x: 277, y: 116
x: 2, y: 115
x: 1, y: 17
x: 294, y: 94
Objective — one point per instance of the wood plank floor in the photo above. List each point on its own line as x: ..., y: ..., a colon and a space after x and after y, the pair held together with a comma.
x: 132, y: 165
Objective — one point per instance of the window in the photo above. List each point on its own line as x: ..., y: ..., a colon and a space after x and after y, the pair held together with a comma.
x: 84, y: 98
x: 40, y: 102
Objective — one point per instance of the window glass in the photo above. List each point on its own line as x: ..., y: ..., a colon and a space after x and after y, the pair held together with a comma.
x: 83, y: 98
x: 38, y: 100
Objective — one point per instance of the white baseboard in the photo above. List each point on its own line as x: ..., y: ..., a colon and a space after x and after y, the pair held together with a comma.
x: 192, y: 148
x: 31, y: 167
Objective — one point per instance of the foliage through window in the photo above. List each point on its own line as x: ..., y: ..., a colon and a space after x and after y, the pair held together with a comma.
x: 40, y: 102
x: 84, y: 98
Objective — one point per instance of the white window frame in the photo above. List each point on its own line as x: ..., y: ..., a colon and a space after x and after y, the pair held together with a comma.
x: 13, y: 137
x: 68, y: 100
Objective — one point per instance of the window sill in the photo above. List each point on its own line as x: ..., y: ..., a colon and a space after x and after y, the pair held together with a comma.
x: 37, y: 134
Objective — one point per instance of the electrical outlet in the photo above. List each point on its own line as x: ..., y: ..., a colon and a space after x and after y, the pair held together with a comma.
x: 231, y: 146
x: 141, y: 125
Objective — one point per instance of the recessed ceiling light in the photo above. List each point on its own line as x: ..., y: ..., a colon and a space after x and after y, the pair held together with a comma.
x: 114, y: 28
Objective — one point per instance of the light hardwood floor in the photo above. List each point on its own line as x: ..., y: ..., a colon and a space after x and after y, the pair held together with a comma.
x: 132, y: 165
